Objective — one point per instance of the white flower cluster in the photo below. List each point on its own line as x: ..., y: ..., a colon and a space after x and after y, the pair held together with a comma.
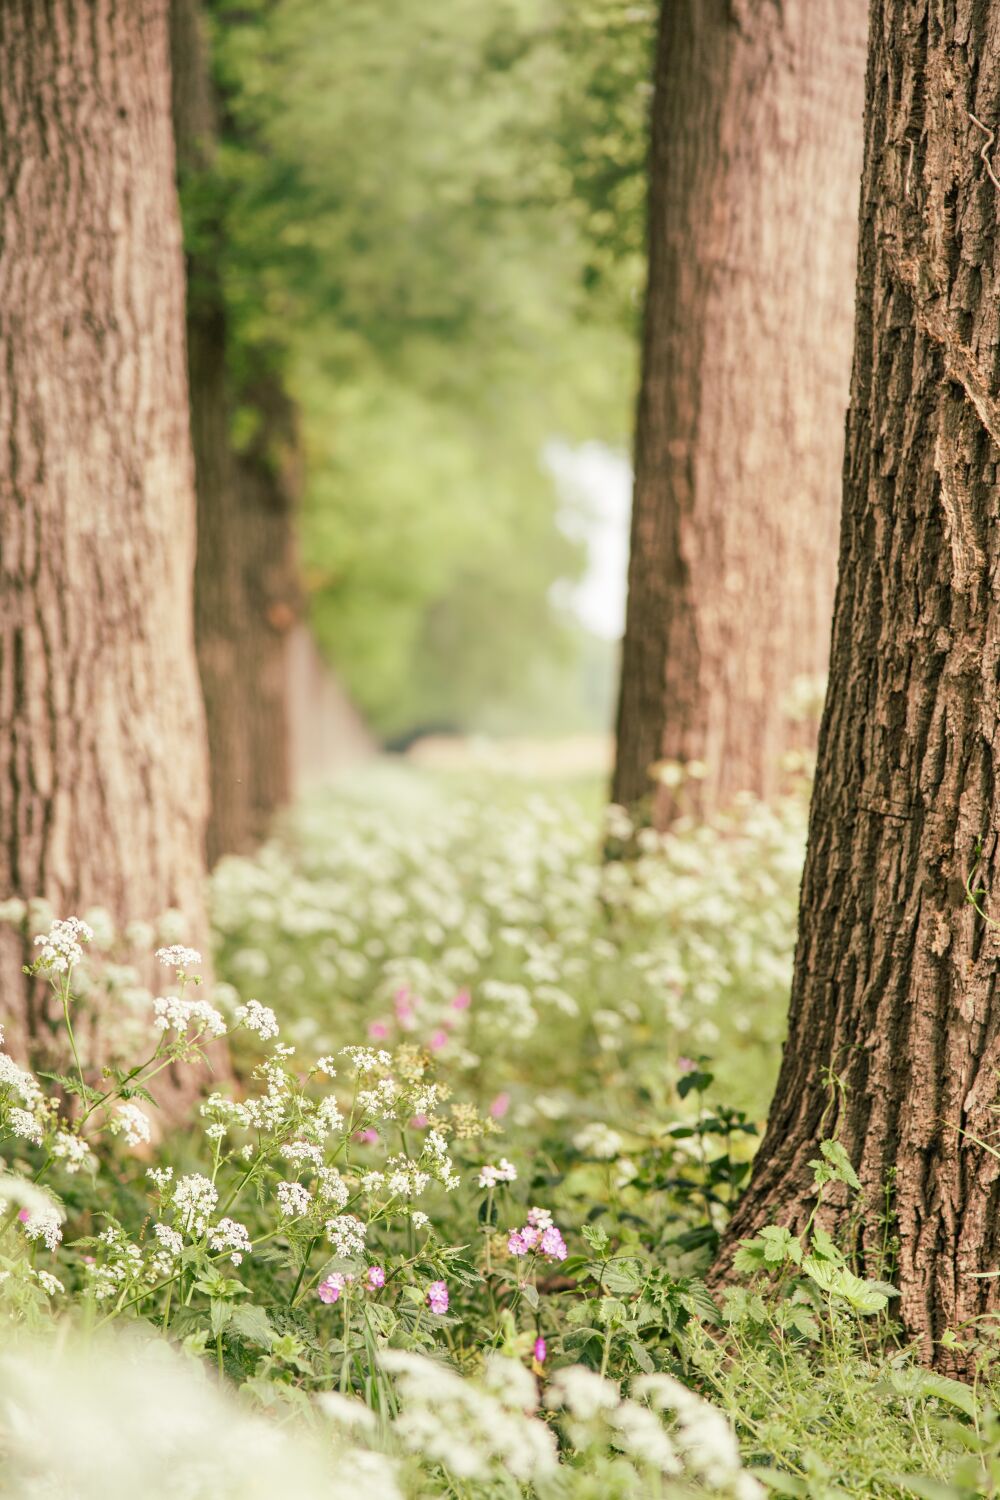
x: 492, y: 1176
x: 597, y: 1139
x: 171, y: 1246
x: 131, y: 1122
x: 73, y: 1152
x: 347, y: 1235
x: 173, y: 1013
x: 195, y: 1199
x: 294, y: 1200
x: 232, y: 1236
x: 44, y: 1224
x: 365, y: 1059
x: 441, y: 1165
x: 62, y: 945
x: 25, y: 1125
x: 178, y: 957
x: 122, y: 1266
x: 475, y: 1430
x: 258, y: 1018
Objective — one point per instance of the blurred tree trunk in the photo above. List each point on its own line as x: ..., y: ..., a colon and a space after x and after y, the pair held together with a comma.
x: 102, y: 735
x: 246, y: 579
x: 895, y: 988
x: 756, y: 159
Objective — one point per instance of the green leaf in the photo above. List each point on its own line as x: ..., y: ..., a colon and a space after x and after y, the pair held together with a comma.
x: 220, y: 1315
x: 839, y: 1160
x: 252, y: 1324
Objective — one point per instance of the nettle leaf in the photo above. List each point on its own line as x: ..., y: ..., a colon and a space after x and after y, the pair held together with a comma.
x: 640, y: 1354
x: 781, y: 1245
x: 864, y: 1296
x: 252, y: 1324
x: 623, y: 1276
x: 699, y: 1302
x: 840, y: 1163
x: 596, y: 1237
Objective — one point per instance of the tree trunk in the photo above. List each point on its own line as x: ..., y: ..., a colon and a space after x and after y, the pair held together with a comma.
x: 756, y: 157
x: 895, y: 973
x: 102, y: 738
x: 246, y: 578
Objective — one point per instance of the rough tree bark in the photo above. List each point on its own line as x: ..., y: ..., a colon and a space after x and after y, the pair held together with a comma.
x: 895, y: 986
x: 756, y: 157
x: 102, y: 738
x: 247, y: 594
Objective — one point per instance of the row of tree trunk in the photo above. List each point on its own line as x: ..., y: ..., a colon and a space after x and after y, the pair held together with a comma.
x: 894, y: 1034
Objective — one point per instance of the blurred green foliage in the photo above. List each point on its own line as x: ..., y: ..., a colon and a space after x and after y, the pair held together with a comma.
x: 432, y: 222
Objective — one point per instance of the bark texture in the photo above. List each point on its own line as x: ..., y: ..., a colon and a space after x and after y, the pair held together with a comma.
x: 102, y: 740
x: 756, y: 157
x: 247, y: 594
x: 895, y: 984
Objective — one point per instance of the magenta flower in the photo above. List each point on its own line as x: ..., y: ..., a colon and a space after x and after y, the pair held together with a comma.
x: 438, y: 1039
x: 23, y: 1215
x: 330, y: 1289
x: 516, y: 1243
x: 419, y: 1122
x: 553, y: 1245
x: 366, y: 1137
x: 500, y: 1106
x: 376, y: 1277
x: 686, y: 1065
x: 437, y: 1297
x: 378, y: 1031
x: 540, y: 1350
x: 531, y: 1235
x: 462, y: 1000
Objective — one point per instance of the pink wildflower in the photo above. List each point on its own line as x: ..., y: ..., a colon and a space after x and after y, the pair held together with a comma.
x: 686, y: 1065
x: 376, y: 1277
x: 516, y: 1243
x: 404, y: 1009
x: 438, y: 1039
x: 531, y: 1235
x: 462, y: 1000
x: 366, y: 1137
x: 330, y: 1289
x: 540, y: 1350
x: 23, y: 1215
x: 553, y: 1245
x: 378, y: 1031
x: 437, y: 1297
x: 500, y: 1106
x: 419, y: 1122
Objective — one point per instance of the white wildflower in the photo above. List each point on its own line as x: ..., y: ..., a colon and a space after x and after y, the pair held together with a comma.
x: 347, y: 1235
x: 258, y: 1018
x: 62, y: 945
x: 44, y: 1224
x: 293, y: 1199
x: 491, y: 1176
x: 178, y: 957
x: 173, y: 1013
x: 332, y: 1187
x: 48, y: 1283
x: 26, y: 1126
x: 598, y: 1140
x: 131, y: 1122
x: 194, y: 1199
x: 71, y: 1150
x: 232, y: 1236
x: 582, y: 1392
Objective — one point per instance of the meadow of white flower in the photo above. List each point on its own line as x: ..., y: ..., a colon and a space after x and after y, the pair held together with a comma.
x: 444, y: 1231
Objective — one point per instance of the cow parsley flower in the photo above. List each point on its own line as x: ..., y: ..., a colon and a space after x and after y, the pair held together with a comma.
x: 194, y: 1199
x: 71, y: 1150
x: 48, y: 1283
x: 62, y: 945
x: 44, y: 1224
x: 347, y: 1235
x: 173, y: 1013
x: 178, y: 957
x: 294, y: 1200
x: 26, y: 1126
x: 232, y: 1236
x: 131, y: 1122
x: 258, y: 1018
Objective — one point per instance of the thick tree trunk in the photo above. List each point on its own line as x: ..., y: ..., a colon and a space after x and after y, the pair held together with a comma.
x: 754, y: 176
x: 246, y: 579
x: 102, y: 738
x: 895, y: 985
